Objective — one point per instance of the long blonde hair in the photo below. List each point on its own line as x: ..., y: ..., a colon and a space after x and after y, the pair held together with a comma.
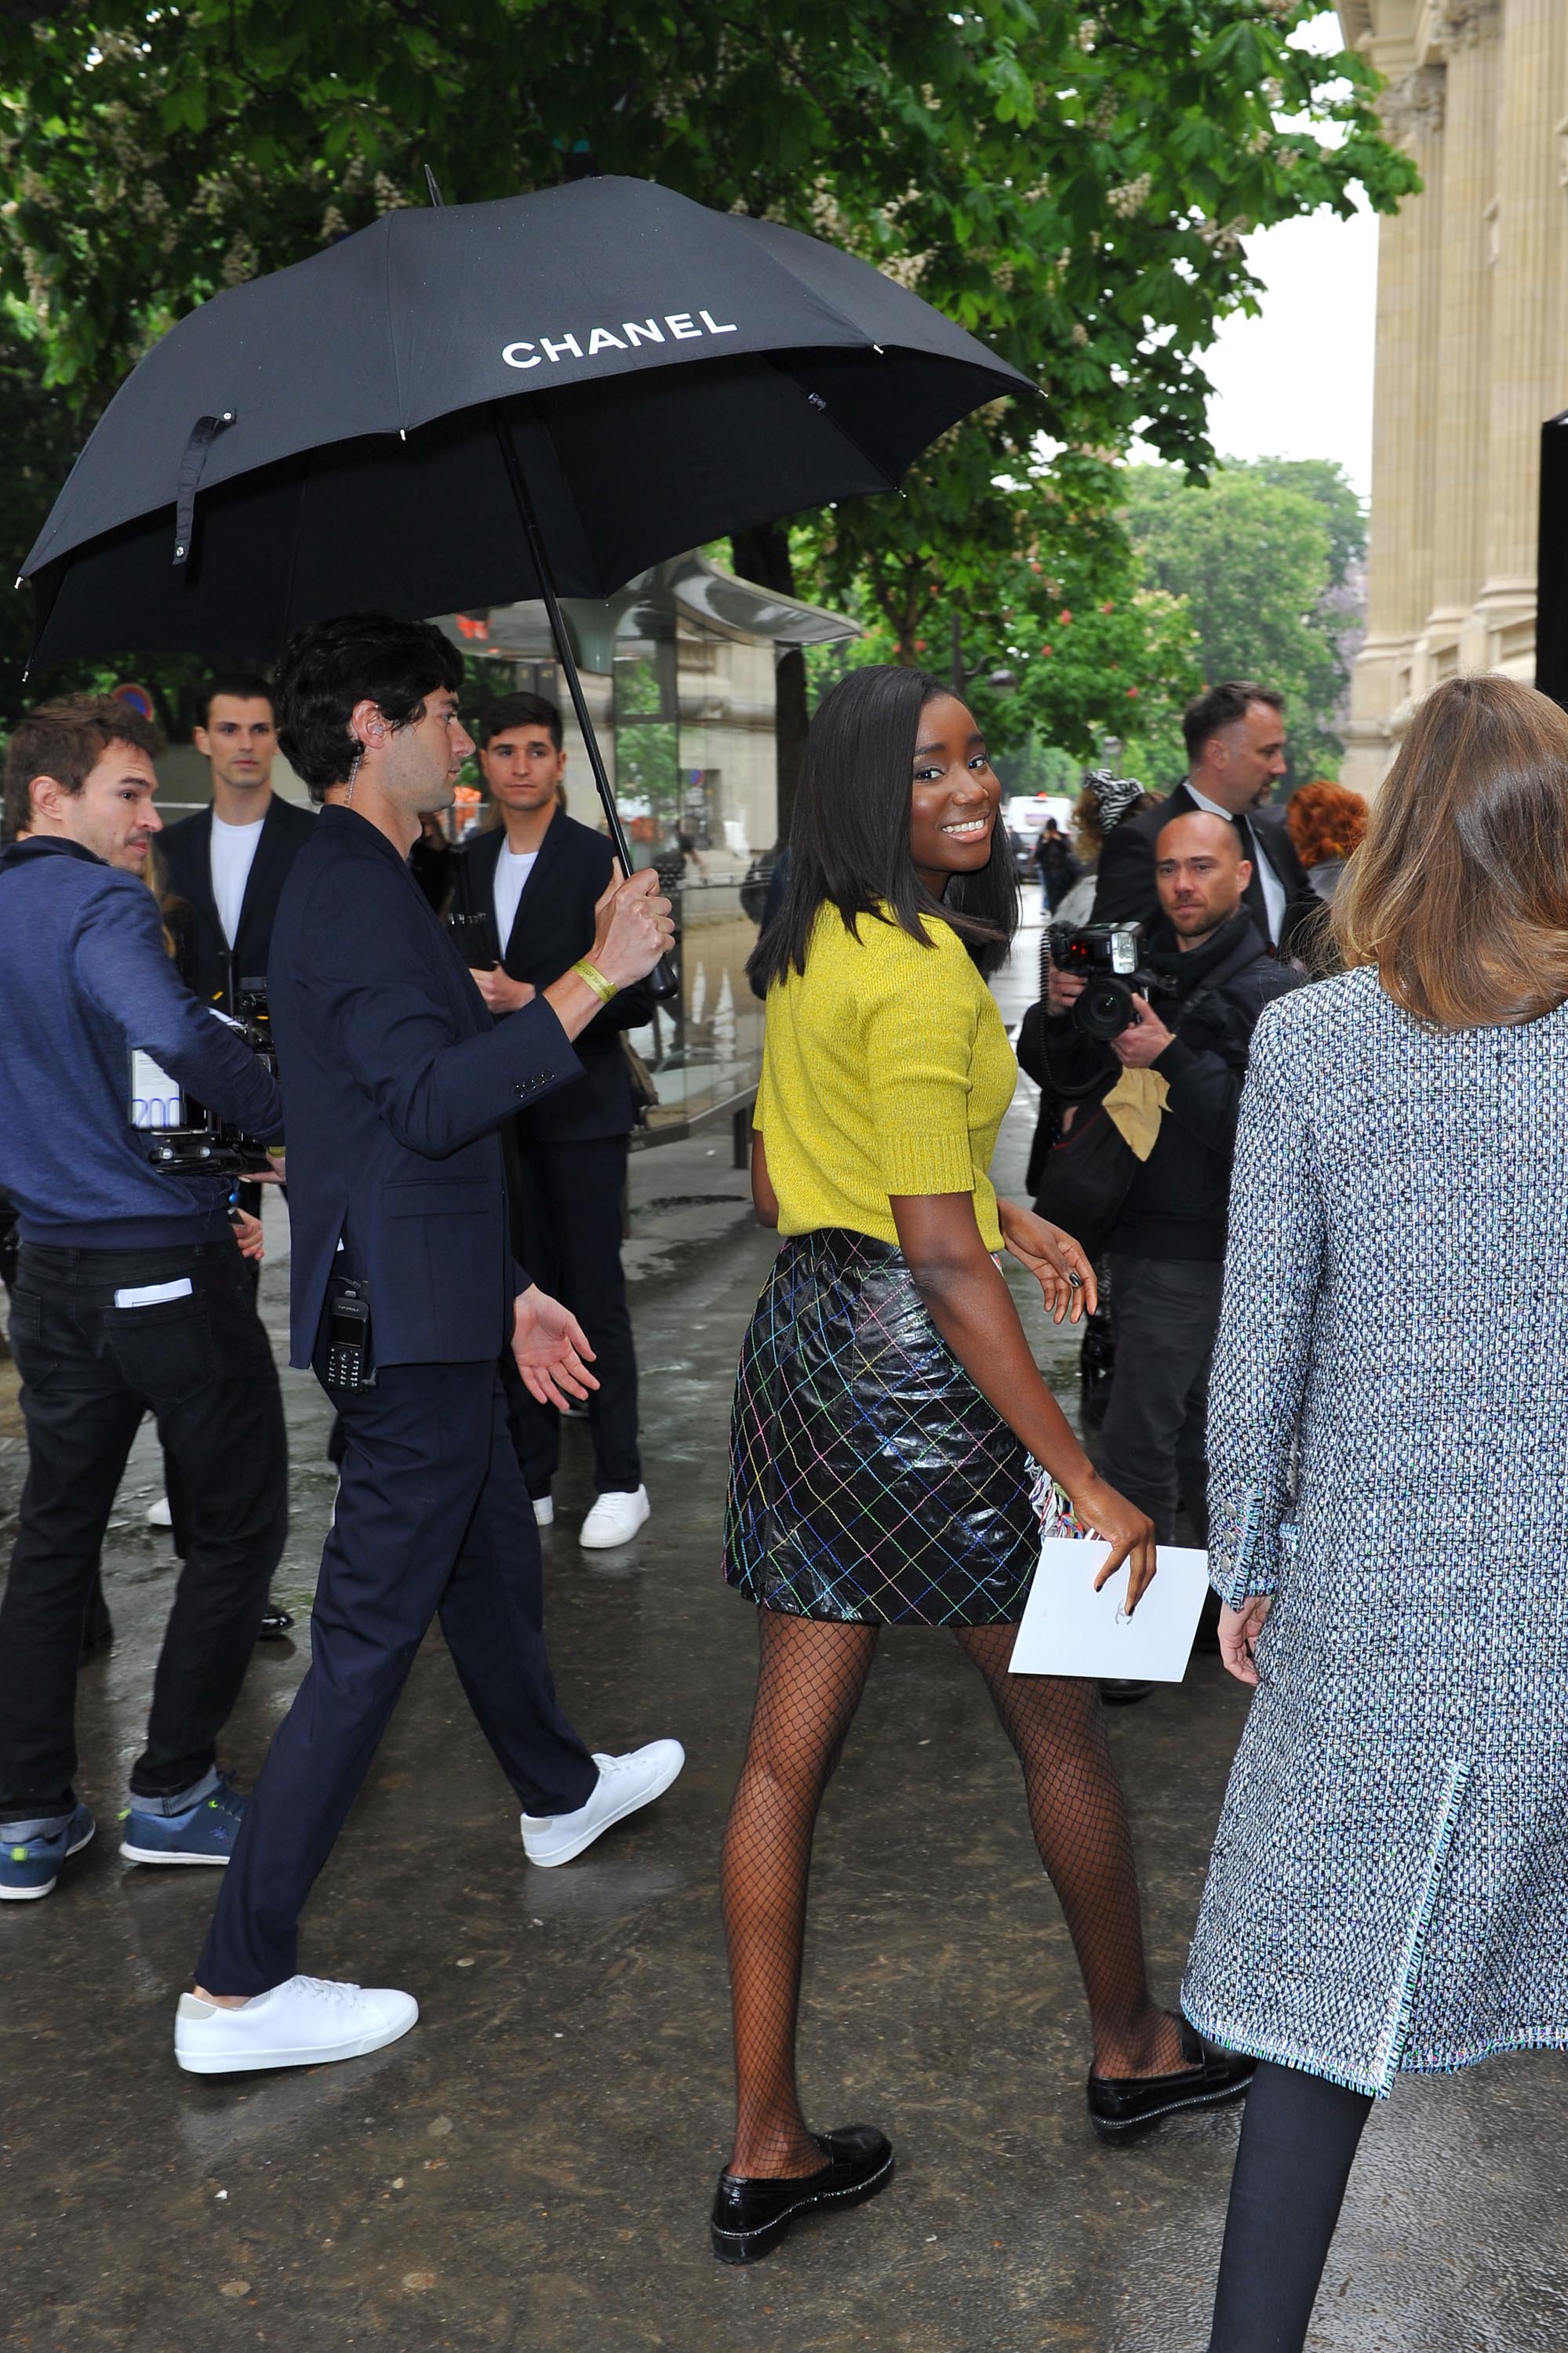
x: 1459, y: 892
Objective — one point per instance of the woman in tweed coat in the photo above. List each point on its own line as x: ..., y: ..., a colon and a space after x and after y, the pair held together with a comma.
x: 1388, y: 1446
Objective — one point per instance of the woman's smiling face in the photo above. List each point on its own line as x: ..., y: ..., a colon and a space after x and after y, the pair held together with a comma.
x: 954, y: 798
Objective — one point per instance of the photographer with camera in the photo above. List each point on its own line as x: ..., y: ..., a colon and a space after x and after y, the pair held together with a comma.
x: 130, y: 1294
x: 1157, y: 1042
x: 1234, y: 735
x: 396, y: 1079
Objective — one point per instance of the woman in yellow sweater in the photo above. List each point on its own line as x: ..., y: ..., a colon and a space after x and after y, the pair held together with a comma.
x: 890, y: 1423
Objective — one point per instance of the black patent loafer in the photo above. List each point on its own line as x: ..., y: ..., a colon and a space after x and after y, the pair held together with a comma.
x: 1123, y: 2107
x: 1117, y: 1691
x: 750, y: 2216
x: 276, y: 1621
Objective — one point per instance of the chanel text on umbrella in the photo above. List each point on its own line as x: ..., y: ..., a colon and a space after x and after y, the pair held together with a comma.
x: 682, y: 328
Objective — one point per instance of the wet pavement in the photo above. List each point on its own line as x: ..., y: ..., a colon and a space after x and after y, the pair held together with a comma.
x: 532, y: 2165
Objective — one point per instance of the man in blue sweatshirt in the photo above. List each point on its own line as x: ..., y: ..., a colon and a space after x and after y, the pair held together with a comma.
x: 131, y: 1294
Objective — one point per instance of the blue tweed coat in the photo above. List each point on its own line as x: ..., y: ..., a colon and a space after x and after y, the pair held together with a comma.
x: 1388, y: 1447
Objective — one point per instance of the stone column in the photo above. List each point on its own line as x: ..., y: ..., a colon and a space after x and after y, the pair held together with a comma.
x: 1530, y: 374
x: 1470, y: 29
x: 1404, y: 486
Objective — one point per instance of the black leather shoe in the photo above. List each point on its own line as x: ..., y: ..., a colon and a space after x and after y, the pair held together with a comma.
x: 1122, y: 2106
x: 750, y: 2216
x: 275, y: 1622
x: 1117, y: 1691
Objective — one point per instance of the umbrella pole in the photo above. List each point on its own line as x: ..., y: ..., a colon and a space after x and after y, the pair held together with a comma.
x: 662, y: 982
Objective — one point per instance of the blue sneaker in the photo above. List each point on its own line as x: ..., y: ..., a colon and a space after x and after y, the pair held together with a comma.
x: 206, y: 1833
x: 29, y: 1867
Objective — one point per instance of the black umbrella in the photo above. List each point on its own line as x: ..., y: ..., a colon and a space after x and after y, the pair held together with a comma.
x: 410, y: 419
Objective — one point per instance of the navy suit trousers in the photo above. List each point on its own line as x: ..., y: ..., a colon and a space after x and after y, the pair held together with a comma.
x: 569, y: 1209
x: 432, y: 1517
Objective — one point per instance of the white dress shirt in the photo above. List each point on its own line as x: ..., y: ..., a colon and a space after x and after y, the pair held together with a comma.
x: 1273, y: 888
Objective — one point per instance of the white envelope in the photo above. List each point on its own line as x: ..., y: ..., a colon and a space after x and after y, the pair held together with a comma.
x: 1068, y: 1629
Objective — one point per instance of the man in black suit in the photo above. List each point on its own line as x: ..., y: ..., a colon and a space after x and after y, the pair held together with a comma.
x: 229, y: 863
x: 226, y: 865
x: 404, y: 1292
x: 529, y: 887
x: 1235, y: 734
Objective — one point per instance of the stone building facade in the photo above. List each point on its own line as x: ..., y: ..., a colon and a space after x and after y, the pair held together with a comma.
x: 1472, y: 346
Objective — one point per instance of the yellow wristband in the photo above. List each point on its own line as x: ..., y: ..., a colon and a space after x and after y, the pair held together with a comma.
x: 603, y: 989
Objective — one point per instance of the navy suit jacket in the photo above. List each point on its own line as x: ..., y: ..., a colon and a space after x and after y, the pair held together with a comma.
x: 395, y: 1079
x: 182, y: 859
x: 552, y: 927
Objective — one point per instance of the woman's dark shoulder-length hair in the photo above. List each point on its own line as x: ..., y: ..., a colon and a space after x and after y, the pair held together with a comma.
x: 849, y: 841
x: 1459, y: 892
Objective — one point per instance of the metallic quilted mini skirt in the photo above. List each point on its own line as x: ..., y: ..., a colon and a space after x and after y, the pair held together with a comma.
x: 870, y: 1480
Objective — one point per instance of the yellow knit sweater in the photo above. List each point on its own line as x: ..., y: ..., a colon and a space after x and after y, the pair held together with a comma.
x: 885, y: 1070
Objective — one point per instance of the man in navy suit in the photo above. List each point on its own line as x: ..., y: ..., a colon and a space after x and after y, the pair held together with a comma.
x: 396, y: 1079
x: 534, y: 881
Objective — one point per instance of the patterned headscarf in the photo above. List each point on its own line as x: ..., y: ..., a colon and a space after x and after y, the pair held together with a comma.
x: 1114, y: 796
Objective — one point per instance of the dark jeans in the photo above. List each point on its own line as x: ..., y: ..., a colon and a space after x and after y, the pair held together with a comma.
x: 1151, y: 1441
x: 569, y: 1210
x: 1298, y: 2141
x: 90, y: 1369
x: 432, y: 1516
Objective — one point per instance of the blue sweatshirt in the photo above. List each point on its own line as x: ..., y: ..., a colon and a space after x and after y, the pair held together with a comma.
x: 84, y: 977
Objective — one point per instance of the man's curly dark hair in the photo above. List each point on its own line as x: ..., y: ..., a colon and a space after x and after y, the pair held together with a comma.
x: 326, y: 668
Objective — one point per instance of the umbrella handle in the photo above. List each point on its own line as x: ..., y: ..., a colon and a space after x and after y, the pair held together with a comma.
x: 664, y: 981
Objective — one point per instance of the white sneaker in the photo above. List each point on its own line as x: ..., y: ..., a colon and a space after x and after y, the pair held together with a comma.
x: 301, y: 2023
x: 159, y: 1515
x: 614, y: 1520
x: 544, y: 1512
x: 624, y: 1784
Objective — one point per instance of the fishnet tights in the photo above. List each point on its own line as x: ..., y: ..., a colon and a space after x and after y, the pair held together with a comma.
x: 812, y: 1674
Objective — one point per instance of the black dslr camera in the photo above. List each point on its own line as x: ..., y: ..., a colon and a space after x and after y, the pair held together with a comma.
x: 186, y: 1139
x: 1109, y: 958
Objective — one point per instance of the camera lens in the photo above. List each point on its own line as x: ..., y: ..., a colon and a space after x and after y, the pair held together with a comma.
x: 1105, y: 1009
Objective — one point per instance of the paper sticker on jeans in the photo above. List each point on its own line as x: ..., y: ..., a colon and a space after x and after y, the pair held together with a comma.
x: 152, y: 1294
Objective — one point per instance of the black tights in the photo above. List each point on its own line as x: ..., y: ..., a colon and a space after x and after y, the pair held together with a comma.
x: 1298, y: 2142
x: 811, y: 1677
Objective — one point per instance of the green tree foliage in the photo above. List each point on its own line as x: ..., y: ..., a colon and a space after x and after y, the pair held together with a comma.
x: 1072, y: 183
x: 1251, y: 562
x: 1330, y: 489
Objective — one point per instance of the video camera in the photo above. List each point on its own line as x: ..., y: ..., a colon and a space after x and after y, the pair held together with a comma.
x: 1109, y: 958
x: 191, y: 1140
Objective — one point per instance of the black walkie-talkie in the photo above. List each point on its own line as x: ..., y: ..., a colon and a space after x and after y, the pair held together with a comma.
x: 349, y: 1362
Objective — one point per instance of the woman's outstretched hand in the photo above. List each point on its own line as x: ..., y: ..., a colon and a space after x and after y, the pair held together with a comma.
x: 1129, y: 1531
x: 1239, y: 1630
x: 1058, y: 1264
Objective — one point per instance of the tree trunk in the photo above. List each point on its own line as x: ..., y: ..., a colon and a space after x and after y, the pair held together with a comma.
x: 763, y: 554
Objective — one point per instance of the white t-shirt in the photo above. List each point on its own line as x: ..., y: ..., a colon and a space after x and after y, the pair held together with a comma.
x: 1273, y: 888
x: 512, y: 868
x: 233, y: 849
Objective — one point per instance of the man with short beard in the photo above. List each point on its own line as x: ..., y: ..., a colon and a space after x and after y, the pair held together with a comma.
x: 1166, y: 1251
x: 131, y: 1295
x: 404, y: 1292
